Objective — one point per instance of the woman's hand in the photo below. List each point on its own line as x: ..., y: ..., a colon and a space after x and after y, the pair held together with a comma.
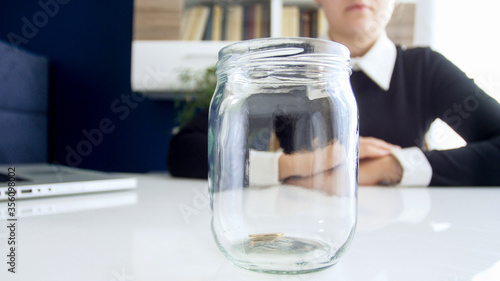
x: 381, y: 170
x: 309, y: 163
x: 317, y: 168
x: 370, y: 147
x: 376, y: 164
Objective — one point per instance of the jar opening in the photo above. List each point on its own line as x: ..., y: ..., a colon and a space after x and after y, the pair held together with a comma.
x: 301, y: 54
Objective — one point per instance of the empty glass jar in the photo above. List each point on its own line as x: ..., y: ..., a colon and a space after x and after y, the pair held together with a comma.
x: 283, y: 143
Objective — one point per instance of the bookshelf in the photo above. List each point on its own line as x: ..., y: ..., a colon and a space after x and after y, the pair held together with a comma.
x: 219, y: 22
x: 242, y: 20
x: 171, y: 36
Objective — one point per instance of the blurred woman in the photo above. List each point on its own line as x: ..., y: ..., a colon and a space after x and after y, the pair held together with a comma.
x: 399, y: 92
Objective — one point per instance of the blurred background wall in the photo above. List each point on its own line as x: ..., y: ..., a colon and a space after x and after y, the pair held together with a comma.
x: 88, y: 43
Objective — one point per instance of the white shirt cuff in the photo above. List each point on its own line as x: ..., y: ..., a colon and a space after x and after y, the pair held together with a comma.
x: 263, y: 168
x: 417, y: 170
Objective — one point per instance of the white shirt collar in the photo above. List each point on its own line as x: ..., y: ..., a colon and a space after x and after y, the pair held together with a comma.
x: 378, y: 63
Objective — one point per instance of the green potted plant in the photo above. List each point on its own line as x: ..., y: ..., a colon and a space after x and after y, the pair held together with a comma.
x: 198, y: 97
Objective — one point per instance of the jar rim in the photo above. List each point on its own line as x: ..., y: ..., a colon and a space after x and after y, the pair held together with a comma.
x: 282, y: 52
x: 259, y: 44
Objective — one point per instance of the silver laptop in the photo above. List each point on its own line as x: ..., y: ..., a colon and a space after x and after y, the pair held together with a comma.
x: 68, y: 204
x: 40, y: 180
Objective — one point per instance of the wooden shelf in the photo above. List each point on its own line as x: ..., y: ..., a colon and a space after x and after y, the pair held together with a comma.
x: 157, y: 19
x: 156, y: 65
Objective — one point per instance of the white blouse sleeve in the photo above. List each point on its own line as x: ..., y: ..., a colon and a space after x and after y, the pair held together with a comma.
x: 263, y: 167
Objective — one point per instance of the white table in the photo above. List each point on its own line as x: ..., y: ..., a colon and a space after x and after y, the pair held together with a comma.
x: 161, y: 232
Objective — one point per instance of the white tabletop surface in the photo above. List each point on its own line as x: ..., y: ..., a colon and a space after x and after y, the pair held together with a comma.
x: 161, y: 231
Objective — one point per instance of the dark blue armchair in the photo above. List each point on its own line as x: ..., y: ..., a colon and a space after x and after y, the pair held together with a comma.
x: 23, y: 106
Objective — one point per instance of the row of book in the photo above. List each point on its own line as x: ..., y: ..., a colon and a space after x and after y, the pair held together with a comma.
x: 303, y: 22
x: 242, y: 22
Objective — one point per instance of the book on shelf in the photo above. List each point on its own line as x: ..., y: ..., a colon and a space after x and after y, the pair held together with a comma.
x: 226, y: 22
x: 157, y: 20
x: 314, y: 24
x: 258, y: 21
x: 196, y: 22
x: 303, y: 22
x: 321, y: 22
x: 234, y: 23
x: 207, y: 32
x: 216, y: 27
x: 248, y: 21
x: 290, y: 24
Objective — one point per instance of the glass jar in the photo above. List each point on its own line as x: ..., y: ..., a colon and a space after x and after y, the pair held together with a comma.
x: 283, y: 146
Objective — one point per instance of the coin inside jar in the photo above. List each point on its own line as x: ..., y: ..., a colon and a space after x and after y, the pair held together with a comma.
x: 265, y: 236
